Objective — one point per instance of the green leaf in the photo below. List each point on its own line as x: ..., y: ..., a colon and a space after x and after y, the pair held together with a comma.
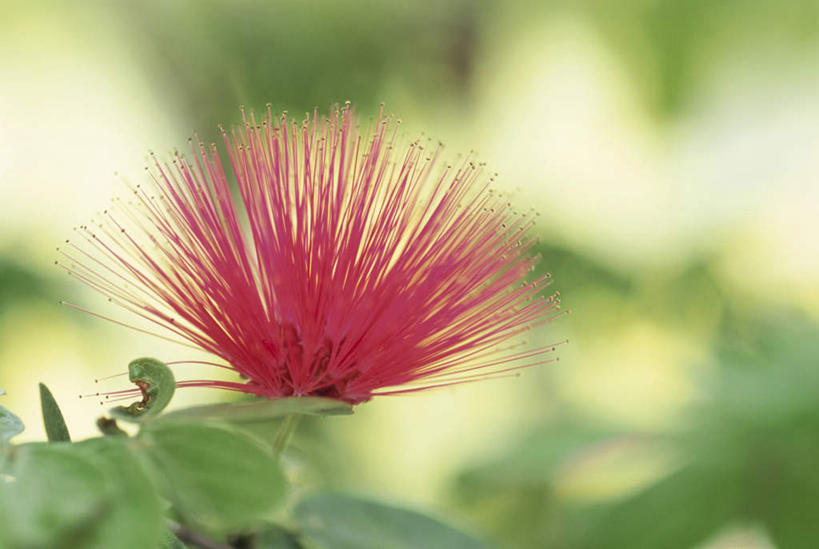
x: 679, y: 512
x: 55, y: 427
x: 782, y: 481
x: 134, y: 515
x: 10, y: 425
x: 157, y: 383
x: 335, y: 521
x: 262, y: 409
x: 796, y: 527
x: 55, y: 495
x: 216, y: 476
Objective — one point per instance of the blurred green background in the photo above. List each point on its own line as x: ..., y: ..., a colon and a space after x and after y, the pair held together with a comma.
x: 670, y: 148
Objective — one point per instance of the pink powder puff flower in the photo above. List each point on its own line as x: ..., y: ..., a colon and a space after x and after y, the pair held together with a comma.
x: 348, y: 266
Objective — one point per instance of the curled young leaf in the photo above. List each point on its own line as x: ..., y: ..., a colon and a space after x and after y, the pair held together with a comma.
x: 53, y: 420
x: 156, y: 383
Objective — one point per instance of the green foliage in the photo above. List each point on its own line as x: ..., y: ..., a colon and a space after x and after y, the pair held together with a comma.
x: 216, y: 477
x: 55, y: 427
x: 680, y: 511
x: 105, y: 492
x: 513, y: 494
x: 580, y: 273
x: 671, y: 45
x: 94, y: 494
x: 55, y: 495
x: 759, y: 427
x: 747, y: 454
x: 537, y: 459
x: 192, y: 46
x: 335, y: 521
x: 133, y: 516
x: 157, y: 383
x: 20, y: 284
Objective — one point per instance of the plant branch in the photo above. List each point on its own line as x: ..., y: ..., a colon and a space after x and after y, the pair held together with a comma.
x: 284, y: 433
x: 191, y: 537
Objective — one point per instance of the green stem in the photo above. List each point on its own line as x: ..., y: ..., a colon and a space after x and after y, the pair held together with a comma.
x: 284, y: 433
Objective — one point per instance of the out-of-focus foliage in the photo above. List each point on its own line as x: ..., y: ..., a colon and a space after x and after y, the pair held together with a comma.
x: 672, y: 41
x: 308, y: 54
x: 749, y: 451
x: 336, y: 521
x: 515, y: 495
x: 20, y: 285
x: 744, y: 454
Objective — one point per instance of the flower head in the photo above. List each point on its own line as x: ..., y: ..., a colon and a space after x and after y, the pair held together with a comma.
x: 349, y: 265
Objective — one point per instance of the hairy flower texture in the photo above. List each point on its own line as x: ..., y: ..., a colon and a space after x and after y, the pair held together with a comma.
x: 349, y: 265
